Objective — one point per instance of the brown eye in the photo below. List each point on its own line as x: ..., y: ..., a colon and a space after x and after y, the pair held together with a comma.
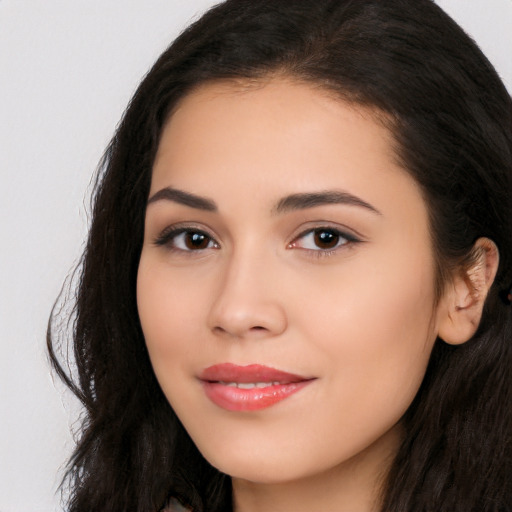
x: 326, y: 238
x: 186, y: 240
x: 323, y: 240
x: 195, y: 240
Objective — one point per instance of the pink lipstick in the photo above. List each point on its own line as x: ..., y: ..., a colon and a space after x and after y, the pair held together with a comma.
x: 249, y: 388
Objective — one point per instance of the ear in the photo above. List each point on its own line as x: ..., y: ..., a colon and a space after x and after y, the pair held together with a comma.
x: 461, y: 306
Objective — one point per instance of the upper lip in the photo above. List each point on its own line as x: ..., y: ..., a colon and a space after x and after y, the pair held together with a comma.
x: 229, y: 372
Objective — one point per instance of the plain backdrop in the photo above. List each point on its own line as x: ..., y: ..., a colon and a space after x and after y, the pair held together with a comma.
x: 67, y: 70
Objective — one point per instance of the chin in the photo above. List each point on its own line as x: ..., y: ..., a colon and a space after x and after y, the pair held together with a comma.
x: 268, y: 464
x: 257, y: 464
x: 258, y: 472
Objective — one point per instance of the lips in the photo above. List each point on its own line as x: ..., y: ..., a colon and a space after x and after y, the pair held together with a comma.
x: 249, y: 388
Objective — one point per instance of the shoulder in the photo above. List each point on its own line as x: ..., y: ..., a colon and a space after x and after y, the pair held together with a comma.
x: 173, y: 505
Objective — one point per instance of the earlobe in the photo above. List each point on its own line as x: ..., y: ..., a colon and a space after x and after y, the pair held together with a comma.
x: 461, y: 306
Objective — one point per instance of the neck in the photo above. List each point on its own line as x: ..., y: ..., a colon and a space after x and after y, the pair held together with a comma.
x: 352, y: 486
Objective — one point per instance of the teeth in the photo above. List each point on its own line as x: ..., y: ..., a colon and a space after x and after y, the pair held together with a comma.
x: 249, y: 385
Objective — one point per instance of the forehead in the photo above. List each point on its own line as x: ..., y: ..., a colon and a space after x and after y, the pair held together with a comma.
x: 278, y: 137
x: 223, y: 122
x: 232, y: 139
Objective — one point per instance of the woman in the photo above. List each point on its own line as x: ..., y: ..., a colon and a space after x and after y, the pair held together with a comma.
x: 295, y: 294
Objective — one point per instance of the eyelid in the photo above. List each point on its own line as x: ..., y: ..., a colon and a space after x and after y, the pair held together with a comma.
x: 170, y: 232
x: 343, y: 232
x: 347, y: 232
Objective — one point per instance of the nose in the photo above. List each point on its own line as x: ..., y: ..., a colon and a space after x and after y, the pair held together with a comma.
x: 247, y: 303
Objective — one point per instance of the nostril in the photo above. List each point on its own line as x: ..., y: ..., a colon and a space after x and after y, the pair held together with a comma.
x: 253, y: 319
x: 219, y: 330
x: 255, y: 329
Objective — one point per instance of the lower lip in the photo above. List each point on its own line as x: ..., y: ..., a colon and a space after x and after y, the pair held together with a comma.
x: 235, y: 399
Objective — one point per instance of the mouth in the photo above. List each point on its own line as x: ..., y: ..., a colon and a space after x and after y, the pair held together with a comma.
x: 249, y: 388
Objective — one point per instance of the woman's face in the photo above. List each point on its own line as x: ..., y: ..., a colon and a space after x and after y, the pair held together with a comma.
x: 286, y: 283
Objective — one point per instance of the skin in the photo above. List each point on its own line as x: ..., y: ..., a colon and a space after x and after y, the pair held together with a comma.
x: 360, y: 318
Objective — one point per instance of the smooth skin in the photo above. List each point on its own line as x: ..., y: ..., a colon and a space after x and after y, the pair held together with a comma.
x: 237, y: 267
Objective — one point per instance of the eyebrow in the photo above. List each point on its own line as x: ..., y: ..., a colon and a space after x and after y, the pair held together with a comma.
x: 184, y: 198
x: 289, y: 203
x: 312, y: 199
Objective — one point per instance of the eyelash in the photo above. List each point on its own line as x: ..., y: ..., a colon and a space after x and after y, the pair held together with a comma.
x: 343, y: 240
x: 169, y: 236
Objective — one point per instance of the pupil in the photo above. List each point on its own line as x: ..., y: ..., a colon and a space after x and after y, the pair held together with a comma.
x: 196, y: 241
x: 326, y: 239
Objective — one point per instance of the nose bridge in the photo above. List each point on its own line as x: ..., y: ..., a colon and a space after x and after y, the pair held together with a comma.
x: 247, y: 300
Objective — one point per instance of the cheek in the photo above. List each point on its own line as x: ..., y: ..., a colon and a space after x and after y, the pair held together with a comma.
x: 168, y: 311
x: 375, y: 341
x: 375, y: 326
